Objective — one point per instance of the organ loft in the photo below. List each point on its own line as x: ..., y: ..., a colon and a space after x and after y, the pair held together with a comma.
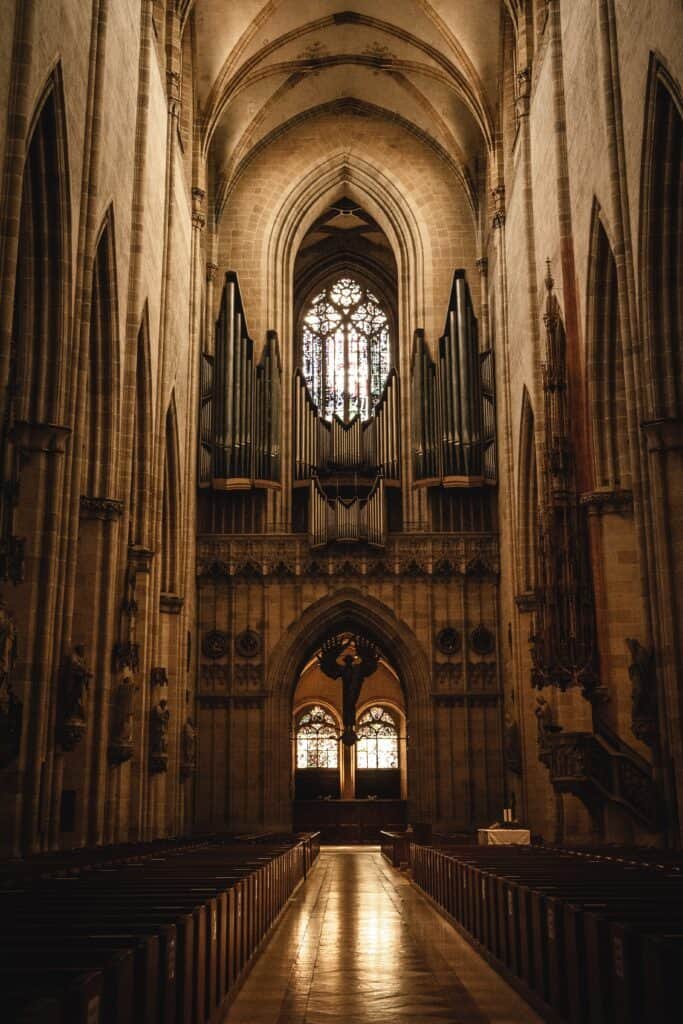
x: 341, y: 511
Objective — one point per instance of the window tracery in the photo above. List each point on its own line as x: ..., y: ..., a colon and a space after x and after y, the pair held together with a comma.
x: 377, y: 745
x: 346, y: 350
x: 317, y: 739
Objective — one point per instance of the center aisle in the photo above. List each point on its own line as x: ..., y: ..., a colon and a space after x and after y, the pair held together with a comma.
x: 359, y: 945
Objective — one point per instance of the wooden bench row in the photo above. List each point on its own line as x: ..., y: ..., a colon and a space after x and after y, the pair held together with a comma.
x: 585, y: 940
x: 164, y: 939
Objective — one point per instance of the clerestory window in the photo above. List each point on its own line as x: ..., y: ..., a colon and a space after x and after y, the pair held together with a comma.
x: 377, y: 745
x: 346, y: 350
x: 317, y: 739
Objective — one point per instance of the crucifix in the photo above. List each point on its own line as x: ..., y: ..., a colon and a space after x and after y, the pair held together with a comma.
x: 337, y: 662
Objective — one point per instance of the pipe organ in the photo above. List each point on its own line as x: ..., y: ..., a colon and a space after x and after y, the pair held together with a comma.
x: 370, y: 447
x: 347, y: 520
x: 453, y: 402
x: 240, y: 404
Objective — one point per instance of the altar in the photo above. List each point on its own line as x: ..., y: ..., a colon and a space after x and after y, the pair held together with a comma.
x: 348, y: 821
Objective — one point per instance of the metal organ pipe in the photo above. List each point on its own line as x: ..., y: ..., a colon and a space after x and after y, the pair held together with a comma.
x: 240, y: 403
x: 453, y: 432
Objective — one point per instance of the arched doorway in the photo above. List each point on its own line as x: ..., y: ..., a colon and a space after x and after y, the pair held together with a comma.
x: 292, y: 686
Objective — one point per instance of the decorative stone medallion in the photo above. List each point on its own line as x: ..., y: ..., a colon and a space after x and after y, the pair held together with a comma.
x: 482, y: 640
x: 448, y: 640
x: 248, y: 643
x: 215, y: 643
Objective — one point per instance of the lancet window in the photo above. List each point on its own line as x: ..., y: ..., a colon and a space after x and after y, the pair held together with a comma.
x: 317, y: 739
x: 377, y: 745
x: 346, y: 350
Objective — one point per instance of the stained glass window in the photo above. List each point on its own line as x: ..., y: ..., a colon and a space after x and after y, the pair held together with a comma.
x: 317, y: 739
x: 346, y: 350
x: 377, y: 745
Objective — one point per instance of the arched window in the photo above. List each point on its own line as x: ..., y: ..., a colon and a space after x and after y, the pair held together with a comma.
x: 317, y: 739
x: 346, y: 350
x: 377, y: 745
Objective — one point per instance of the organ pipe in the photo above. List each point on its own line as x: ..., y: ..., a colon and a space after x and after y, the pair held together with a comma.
x: 240, y: 405
x: 347, y: 520
x: 370, y: 447
x: 453, y: 431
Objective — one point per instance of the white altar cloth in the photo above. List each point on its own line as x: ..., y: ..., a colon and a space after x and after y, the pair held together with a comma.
x: 504, y: 836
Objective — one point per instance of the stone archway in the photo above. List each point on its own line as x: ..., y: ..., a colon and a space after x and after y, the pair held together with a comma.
x: 348, y: 609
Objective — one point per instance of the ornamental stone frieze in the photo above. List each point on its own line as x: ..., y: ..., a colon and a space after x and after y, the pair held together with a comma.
x: 287, y: 557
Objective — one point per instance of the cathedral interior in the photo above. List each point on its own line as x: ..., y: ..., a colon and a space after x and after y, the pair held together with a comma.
x: 341, y: 510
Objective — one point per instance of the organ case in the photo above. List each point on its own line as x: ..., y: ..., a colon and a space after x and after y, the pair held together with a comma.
x: 240, y: 404
x: 453, y: 433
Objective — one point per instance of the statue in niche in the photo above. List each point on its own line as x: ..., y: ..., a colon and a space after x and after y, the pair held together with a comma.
x: 353, y: 669
x: 512, y: 744
x: 188, y: 749
x: 121, y: 746
x: 158, y: 736
x: 10, y: 705
x: 643, y: 692
x: 74, y: 687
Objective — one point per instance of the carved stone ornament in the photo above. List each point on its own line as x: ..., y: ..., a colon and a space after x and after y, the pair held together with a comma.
x: 248, y: 643
x: 482, y: 640
x: 448, y: 640
x: 158, y: 676
x: 448, y: 675
x: 106, y: 509
x: 126, y: 655
x: 215, y: 643
x: 159, y: 716
x: 172, y: 604
x: 74, y: 683
x: 10, y: 706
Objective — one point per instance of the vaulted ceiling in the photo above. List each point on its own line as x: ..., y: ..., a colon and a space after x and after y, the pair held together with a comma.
x: 261, y: 65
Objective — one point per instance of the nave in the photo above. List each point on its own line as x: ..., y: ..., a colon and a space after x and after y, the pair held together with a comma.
x: 359, y: 944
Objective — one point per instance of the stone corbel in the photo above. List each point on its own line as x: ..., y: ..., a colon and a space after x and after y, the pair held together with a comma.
x: 171, y: 604
x: 608, y: 502
x: 30, y: 438
x: 664, y: 435
x: 106, y: 509
x: 527, y: 601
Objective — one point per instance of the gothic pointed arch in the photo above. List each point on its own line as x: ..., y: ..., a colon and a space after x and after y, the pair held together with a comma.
x: 41, y: 301
x: 142, y: 437
x: 348, y: 609
x: 102, y: 369
x: 606, y: 382
x: 661, y: 242
x: 170, y: 513
x: 527, y: 497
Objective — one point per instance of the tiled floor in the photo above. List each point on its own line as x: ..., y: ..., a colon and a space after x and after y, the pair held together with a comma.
x: 359, y: 945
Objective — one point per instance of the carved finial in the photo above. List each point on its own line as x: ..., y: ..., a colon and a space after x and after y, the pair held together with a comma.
x: 549, y: 282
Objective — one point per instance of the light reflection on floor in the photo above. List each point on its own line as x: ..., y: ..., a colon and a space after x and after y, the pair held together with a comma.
x: 359, y: 945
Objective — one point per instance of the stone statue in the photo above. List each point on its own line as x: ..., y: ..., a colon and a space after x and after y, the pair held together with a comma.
x: 75, y: 683
x: 513, y: 746
x: 158, y: 736
x: 121, y: 745
x: 188, y: 748
x: 643, y: 692
x: 10, y: 705
x: 546, y: 725
x: 352, y: 672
